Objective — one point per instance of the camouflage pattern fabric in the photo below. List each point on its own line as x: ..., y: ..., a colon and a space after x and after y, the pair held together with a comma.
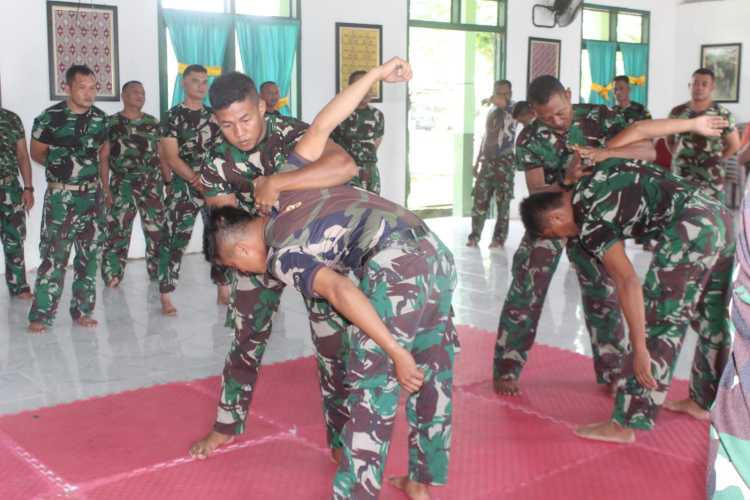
x: 729, y: 445
x: 636, y: 112
x: 12, y: 214
x: 495, y: 179
x: 535, y: 261
x: 687, y: 282
x: 359, y: 135
x: 698, y: 158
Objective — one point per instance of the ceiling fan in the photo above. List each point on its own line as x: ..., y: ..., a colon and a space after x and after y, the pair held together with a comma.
x: 562, y: 13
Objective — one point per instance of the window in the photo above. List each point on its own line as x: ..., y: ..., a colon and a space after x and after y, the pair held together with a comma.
x: 620, y: 26
x: 232, y: 61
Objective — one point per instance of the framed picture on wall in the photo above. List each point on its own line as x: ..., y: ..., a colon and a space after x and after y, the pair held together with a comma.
x: 724, y: 60
x: 359, y: 47
x: 543, y: 58
x: 83, y: 33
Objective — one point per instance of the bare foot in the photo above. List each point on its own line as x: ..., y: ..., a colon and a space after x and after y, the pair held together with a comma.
x: 113, y: 283
x: 688, y: 406
x: 167, y: 308
x: 496, y: 244
x: 336, y: 454
x: 203, y: 448
x: 222, y: 294
x: 413, y: 489
x: 506, y: 387
x: 24, y: 296
x: 86, y: 322
x: 36, y: 327
x: 472, y: 243
x: 611, y: 432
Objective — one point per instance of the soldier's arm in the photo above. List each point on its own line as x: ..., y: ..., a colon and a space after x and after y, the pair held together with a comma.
x: 536, y: 183
x: 731, y: 144
x: 24, y: 168
x: 171, y: 152
x: 710, y: 126
x: 39, y: 152
x: 166, y: 170
x: 104, y: 170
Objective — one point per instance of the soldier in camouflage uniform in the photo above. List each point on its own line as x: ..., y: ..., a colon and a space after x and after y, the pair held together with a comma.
x: 542, y: 151
x: 687, y: 283
x: 632, y: 111
x: 242, y: 171
x: 269, y: 92
x: 701, y: 159
x: 360, y: 135
x: 70, y: 140
x: 14, y: 201
x: 187, y: 136
x: 135, y: 186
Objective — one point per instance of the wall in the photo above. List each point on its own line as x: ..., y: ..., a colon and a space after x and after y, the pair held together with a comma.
x: 706, y: 23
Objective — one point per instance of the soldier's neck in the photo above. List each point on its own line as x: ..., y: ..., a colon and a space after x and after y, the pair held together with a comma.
x: 75, y: 108
x: 624, y: 104
x: 193, y: 104
x: 132, y: 113
x: 701, y: 105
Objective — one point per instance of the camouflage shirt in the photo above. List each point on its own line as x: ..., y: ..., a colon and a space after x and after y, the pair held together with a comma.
x: 500, y: 132
x: 539, y: 146
x: 74, y: 141
x: 195, y: 131
x: 134, y: 144
x: 359, y: 134
x: 11, y: 131
x: 698, y: 158
x: 336, y: 227
x: 634, y: 113
x: 230, y: 170
x: 628, y: 199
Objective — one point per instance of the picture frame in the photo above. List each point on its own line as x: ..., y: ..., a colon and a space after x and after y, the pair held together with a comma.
x: 358, y: 47
x: 543, y: 58
x: 83, y: 33
x: 725, y: 60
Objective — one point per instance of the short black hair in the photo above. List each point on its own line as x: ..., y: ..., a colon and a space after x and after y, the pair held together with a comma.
x: 521, y: 108
x: 77, y: 69
x: 543, y: 88
x: 222, y: 222
x: 230, y: 88
x: 504, y: 82
x: 194, y: 68
x: 356, y: 74
x: 269, y: 82
x: 622, y: 78
x: 129, y: 83
x: 534, y: 208
x: 705, y: 71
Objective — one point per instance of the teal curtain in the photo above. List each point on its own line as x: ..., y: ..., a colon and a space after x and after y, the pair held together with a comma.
x: 268, y: 49
x: 602, y: 62
x: 635, y: 58
x: 197, y: 38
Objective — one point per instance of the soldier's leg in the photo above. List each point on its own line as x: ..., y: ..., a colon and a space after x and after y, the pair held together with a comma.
x: 482, y: 192
x: 151, y: 209
x: 118, y: 228
x: 181, y: 210
x: 84, y: 263
x: 601, y: 310
x: 534, y: 263
x: 13, y: 234
x: 503, y: 196
x: 56, y: 238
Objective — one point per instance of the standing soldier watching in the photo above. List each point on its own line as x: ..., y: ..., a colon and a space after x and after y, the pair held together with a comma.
x: 70, y: 140
x: 14, y: 201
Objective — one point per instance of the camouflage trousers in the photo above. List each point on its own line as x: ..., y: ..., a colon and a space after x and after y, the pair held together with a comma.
x: 494, y: 179
x: 687, y: 284
x: 256, y: 299
x: 367, y: 178
x: 534, y: 264
x: 69, y: 219
x: 183, y: 205
x: 135, y: 194
x: 13, y: 234
x: 410, y: 284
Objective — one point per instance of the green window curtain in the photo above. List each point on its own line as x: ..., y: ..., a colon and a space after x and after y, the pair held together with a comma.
x: 602, y: 61
x: 197, y: 38
x: 268, y: 49
x: 635, y: 59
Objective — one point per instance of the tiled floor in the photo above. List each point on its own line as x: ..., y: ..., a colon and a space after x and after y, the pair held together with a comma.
x: 134, y: 346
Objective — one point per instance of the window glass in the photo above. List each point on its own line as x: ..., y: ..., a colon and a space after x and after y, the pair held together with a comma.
x: 629, y: 28
x: 199, y: 5
x: 479, y: 12
x: 595, y: 24
x: 262, y: 7
x: 430, y: 10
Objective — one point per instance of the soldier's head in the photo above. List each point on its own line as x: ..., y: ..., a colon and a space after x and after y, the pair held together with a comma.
x: 234, y: 238
x: 133, y: 95
x: 195, y: 82
x: 523, y: 112
x: 80, y: 82
x: 551, y: 102
x: 269, y: 92
x: 238, y: 109
x: 353, y: 77
x: 702, y: 84
x: 549, y: 215
x: 622, y: 90
x: 502, y: 93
